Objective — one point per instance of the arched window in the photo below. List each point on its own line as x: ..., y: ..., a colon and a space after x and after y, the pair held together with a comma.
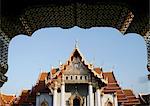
x: 66, y: 78
x: 76, y: 77
x: 80, y: 77
x: 44, y: 103
x: 85, y: 77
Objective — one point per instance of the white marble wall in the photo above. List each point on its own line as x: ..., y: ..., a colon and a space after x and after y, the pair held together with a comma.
x: 105, y: 98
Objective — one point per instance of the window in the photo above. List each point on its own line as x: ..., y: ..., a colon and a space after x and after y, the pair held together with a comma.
x: 80, y: 77
x: 76, y: 77
x: 85, y: 77
x: 66, y: 78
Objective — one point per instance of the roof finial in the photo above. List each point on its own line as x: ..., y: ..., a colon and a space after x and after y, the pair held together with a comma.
x: 113, y: 67
x: 76, y: 43
x: 93, y: 60
x: 52, y: 67
x: 60, y: 63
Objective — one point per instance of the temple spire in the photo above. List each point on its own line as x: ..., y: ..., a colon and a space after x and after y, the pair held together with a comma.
x: 76, y: 43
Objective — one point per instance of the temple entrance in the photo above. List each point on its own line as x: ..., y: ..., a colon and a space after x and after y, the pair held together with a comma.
x: 76, y: 102
x: 109, y: 104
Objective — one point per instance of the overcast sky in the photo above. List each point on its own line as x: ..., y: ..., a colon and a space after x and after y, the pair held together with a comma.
x: 105, y: 47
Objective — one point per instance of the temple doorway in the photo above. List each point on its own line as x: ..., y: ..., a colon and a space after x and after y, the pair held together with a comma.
x: 109, y: 104
x: 76, y: 102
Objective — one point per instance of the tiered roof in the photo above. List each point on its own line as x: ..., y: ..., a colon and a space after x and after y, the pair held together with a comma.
x: 124, y: 96
x: 22, y: 99
x: 113, y: 86
x: 29, y: 96
x: 130, y: 97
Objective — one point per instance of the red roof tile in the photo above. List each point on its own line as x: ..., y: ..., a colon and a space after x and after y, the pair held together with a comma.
x: 126, y: 97
x: 110, y: 76
x: 113, y: 86
x: 130, y: 97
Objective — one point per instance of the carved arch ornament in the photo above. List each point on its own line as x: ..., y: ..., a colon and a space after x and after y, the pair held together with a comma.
x: 44, y: 103
x: 109, y: 103
x: 76, y: 96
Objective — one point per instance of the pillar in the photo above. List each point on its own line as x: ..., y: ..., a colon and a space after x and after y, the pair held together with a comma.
x: 85, y: 103
x: 62, y: 94
x: 115, y: 99
x: 91, y: 101
x: 98, y: 97
x: 55, y: 94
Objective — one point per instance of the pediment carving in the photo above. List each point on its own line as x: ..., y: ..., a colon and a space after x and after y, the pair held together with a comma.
x: 77, y: 67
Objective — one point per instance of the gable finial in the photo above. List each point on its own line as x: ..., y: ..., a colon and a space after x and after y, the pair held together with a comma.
x: 76, y: 43
x: 60, y: 63
x: 113, y: 67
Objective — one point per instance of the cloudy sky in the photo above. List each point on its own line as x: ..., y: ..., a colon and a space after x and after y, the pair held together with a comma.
x: 105, y: 47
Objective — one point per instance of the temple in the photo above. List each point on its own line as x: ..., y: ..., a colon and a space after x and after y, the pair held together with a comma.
x: 77, y: 83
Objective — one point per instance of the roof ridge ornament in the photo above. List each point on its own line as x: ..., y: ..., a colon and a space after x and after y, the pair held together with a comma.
x: 76, y: 44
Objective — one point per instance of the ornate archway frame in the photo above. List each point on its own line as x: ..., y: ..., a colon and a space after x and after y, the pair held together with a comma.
x: 74, y: 96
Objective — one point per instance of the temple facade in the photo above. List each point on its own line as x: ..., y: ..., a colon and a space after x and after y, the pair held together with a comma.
x: 77, y: 83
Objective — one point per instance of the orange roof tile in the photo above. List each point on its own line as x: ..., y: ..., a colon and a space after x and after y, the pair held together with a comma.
x: 8, y: 99
x: 42, y: 76
x: 98, y: 70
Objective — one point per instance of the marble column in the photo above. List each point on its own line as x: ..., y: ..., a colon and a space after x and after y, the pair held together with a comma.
x: 95, y: 94
x: 91, y: 101
x: 62, y: 94
x: 84, y: 99
x: 115, y: 99
x: 98, y: 97
x: 55, y: 94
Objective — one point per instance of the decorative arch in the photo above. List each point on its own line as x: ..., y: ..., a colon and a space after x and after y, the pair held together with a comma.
x: 44, y: 103
x: 109, y: 103
x: 76, y: 96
